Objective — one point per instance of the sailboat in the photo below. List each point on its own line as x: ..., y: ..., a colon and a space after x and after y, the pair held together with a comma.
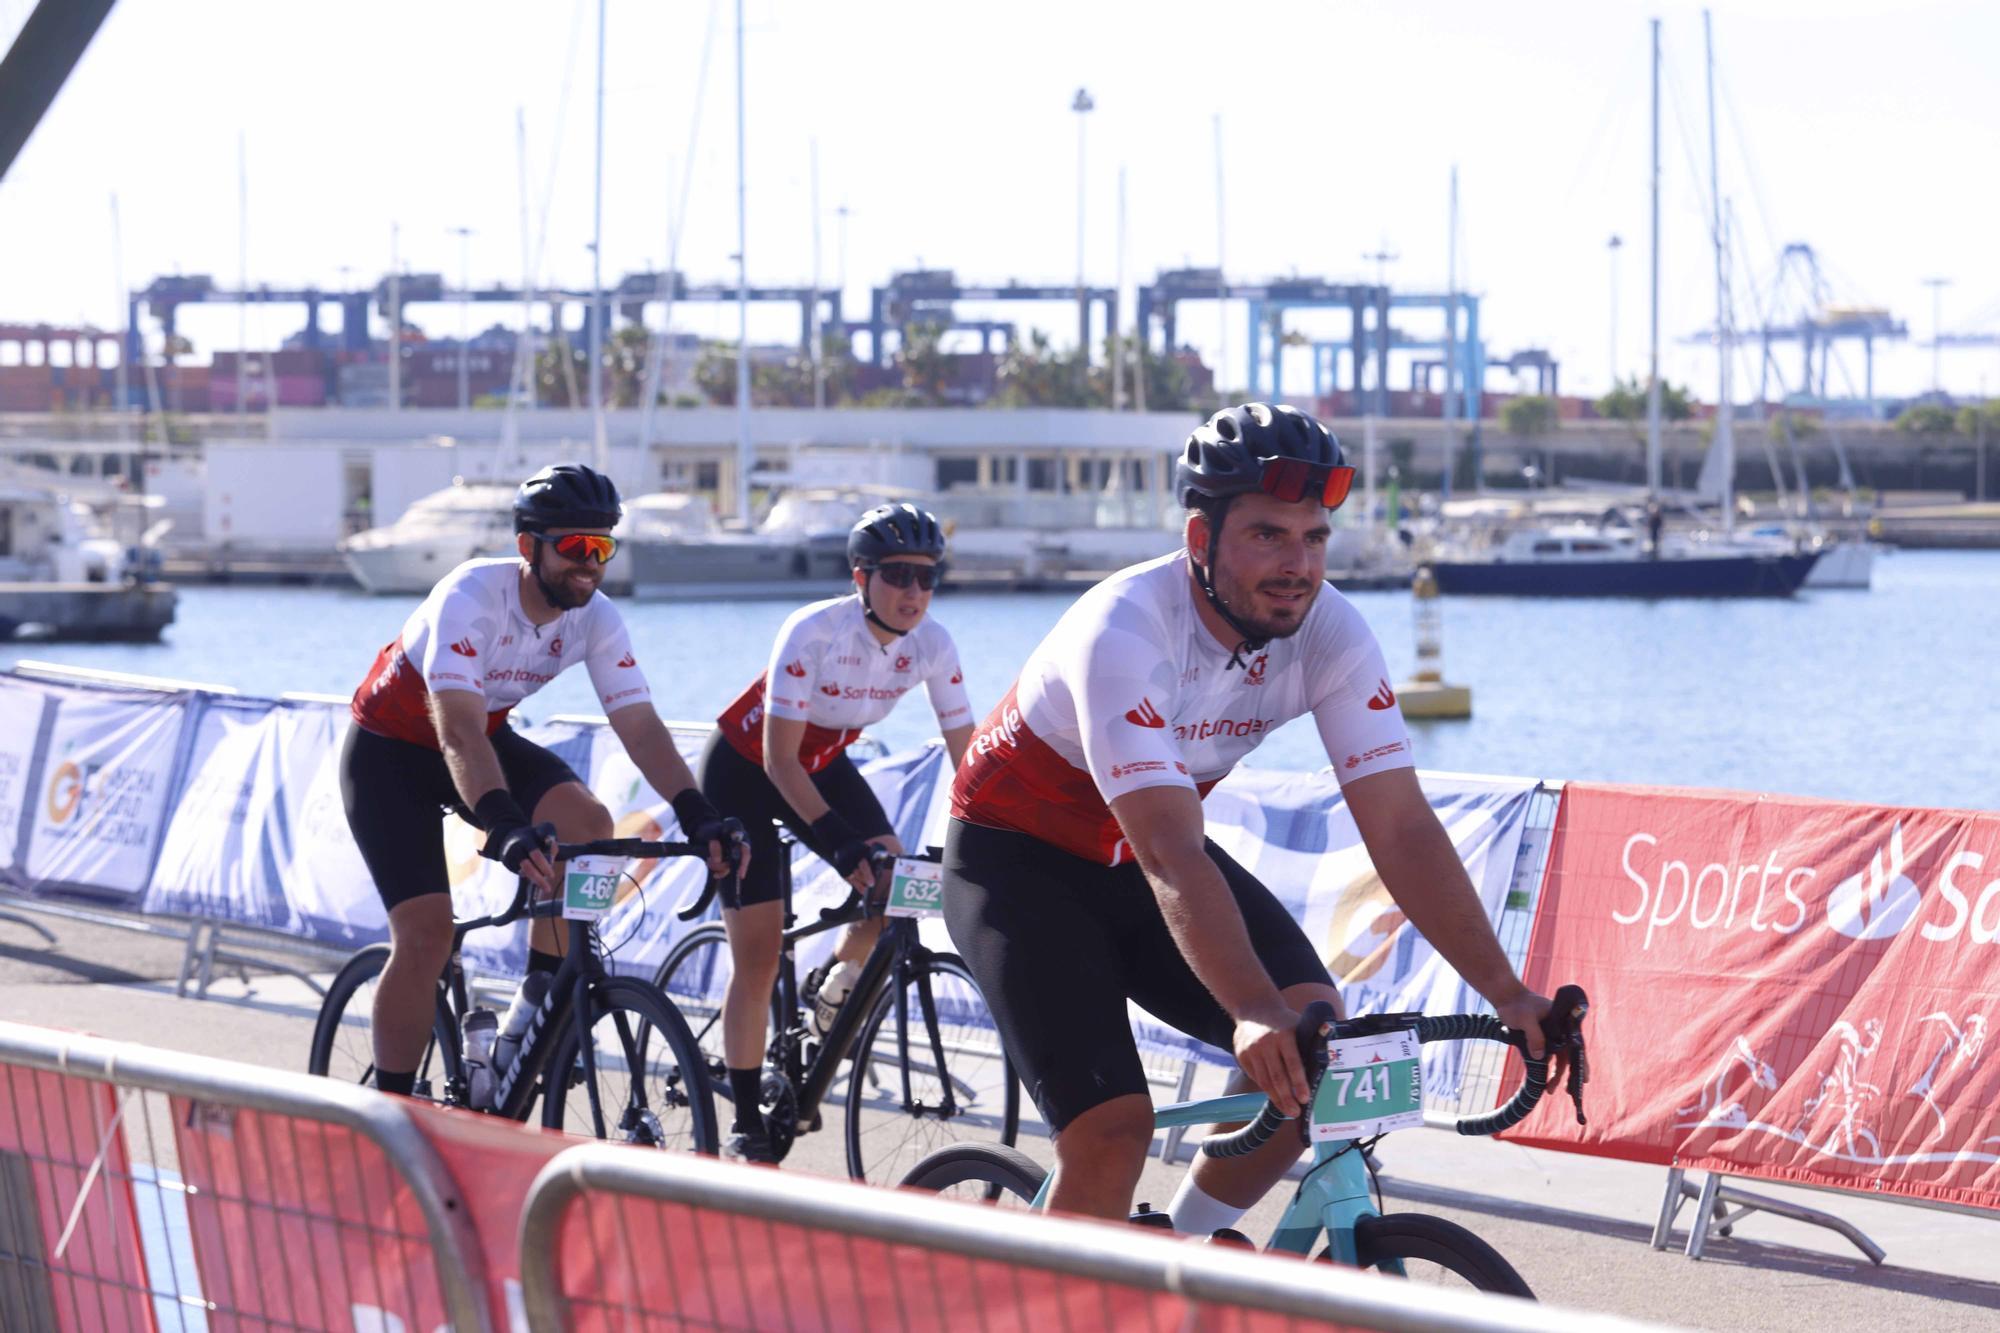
x: 1578, y: 560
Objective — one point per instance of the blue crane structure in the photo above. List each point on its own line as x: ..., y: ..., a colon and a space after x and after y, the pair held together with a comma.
x: 928, y: 297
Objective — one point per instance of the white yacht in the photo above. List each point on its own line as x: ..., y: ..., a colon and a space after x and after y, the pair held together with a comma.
x: 435, y: 535
x: 673, y: 547
x: 74, y: 562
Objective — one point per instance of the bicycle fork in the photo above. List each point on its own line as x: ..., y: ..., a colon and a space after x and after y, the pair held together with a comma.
x: 1332, y: 1198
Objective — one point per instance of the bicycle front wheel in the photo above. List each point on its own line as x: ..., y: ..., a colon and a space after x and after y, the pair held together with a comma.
x: 928, y: 1073
x: 694, y: 978
x: 343, y: 1040
x: 979, y: 1173
x: 650, y: 1086
x: 1432, y: 1250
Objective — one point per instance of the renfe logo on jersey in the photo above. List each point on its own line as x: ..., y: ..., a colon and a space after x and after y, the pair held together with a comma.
x: 795, y: 668
x: 1383, y: 699
x: 464, y: 648
x: 1145, y: 715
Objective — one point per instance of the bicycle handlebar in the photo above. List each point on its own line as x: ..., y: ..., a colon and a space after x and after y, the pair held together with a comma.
x: 1562, y: 1032
x: 637, y: 849
x: 881, y: 860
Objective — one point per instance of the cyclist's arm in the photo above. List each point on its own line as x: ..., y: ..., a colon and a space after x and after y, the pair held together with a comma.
x: 957, y: 740
x: 782, y: 738
x: 1163, y: 826
x: 651, y: 748
x: 460, y: 719
x: 1423, y: 873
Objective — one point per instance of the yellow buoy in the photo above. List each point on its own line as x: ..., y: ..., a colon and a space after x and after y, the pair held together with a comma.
x: 1426, y: 694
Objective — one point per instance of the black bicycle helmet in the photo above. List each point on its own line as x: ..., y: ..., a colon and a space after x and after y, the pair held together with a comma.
x: 1225, y: 455
x: 566, y: 495
x: 891, y: 530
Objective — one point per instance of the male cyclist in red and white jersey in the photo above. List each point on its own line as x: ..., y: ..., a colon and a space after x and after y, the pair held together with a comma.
x: 1076, y: 873
x: 779, y: 752
x: 430, y: 733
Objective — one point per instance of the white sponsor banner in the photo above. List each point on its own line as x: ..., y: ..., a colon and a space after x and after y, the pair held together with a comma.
x: 228, y: 852
x: 1294, y: 832
x: 103, y: 794
x: 21, y: 710
x: 326, y: 882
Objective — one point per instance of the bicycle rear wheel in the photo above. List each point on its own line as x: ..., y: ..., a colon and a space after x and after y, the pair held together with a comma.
x: 694, y: 978
x: 343, y: 1040
x: 651, y: 1087
x: 1432, y: 1250
x: 905, y: 1063
x: 979, y: 1173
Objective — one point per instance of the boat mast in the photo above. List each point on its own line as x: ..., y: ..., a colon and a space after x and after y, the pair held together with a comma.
x: 742, y: 300
x: 1653, y: 363
x: 1725, y: 426
x: 600, y: 447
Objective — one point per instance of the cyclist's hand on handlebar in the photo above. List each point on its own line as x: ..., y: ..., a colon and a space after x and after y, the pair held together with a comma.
x: 1524, y: 1012
x: 1267, y: 1047
x: 524, y: 851
x: 728, y: 851
x: 1532, y: 1016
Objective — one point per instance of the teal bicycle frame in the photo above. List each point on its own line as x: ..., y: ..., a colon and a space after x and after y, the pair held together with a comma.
x: 1332, y: 1197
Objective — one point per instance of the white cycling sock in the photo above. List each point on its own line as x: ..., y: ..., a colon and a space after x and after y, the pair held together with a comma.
x: 1195, y: 1213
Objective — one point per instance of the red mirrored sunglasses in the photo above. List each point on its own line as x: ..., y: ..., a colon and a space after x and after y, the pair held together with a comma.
x: 580, y: 546
x: 1293, y: 479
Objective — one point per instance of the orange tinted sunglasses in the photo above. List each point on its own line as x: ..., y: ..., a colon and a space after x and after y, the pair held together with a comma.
x: 580, y: 546
x: 1293, y: 479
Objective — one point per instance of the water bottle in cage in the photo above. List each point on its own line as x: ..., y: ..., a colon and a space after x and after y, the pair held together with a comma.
x: 481, y: 1027
x: 534, y: 987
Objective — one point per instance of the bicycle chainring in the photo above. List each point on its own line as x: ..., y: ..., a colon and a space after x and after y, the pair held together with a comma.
x: 781, y: 1111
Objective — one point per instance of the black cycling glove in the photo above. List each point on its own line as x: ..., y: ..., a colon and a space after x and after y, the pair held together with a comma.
x: 844, y: 848
x: 701, y: 823
x: 509, y: 838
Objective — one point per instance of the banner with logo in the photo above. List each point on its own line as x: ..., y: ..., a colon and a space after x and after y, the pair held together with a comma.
x: 20, y: 729
x: 1794, y: 989
x: 1295, y: 833
x: 104, y: 785
x: 215, y: 860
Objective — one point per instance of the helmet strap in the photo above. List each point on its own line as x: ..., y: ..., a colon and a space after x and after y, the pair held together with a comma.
x: 535, y: 569
x: 1205, y: 576
x: 868, y: 609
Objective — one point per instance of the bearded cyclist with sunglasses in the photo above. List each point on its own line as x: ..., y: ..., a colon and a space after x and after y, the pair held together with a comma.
x: 1076, y: 873
x: 430, y: 733
x: 779, y: 752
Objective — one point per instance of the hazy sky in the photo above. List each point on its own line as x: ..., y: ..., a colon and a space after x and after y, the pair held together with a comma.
x: 1865, y: 129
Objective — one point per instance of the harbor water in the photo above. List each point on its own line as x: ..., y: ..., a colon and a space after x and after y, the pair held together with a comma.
x: 1885, y: 696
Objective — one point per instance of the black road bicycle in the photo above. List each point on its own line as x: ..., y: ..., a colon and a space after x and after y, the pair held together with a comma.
x: 608, y: 1055
x: 927, y: 1068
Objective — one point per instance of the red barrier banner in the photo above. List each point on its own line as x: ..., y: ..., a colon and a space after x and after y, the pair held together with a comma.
x: 1793, y: 989
x: 71, y: 1226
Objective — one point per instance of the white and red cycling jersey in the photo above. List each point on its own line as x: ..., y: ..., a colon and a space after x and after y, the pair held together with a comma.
x: 828, y: 671
x: 1131, y: 690
x: 471, y: 634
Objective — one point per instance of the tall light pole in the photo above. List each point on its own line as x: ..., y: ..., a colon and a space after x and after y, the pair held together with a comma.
x: 1617, y: 244
x: 1381, y: 257
x: 1083, y: 106
x: 1937, y: 286
x: 464, y: 235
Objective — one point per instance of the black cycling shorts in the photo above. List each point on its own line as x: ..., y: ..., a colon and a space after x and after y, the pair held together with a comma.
x: 744, y: 790
x: 1058, y: 944
x: 397, y: 794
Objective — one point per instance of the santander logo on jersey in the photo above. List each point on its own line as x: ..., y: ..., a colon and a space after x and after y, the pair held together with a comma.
x: 1383, y: 699
x: 795, y: 668
x: 1145, y: 715
x: 958, y: 676
x: 464, y: 648
x: 831, y: 690
x: 628, y: 661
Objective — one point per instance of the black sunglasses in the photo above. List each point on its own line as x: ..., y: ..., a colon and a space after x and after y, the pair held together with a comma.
x: 902, y: 574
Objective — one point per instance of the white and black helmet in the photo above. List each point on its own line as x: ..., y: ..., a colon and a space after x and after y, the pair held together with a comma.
x: 893, y: 530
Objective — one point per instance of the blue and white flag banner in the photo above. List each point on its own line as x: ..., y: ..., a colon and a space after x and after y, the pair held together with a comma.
x: 1294, y: 832
x: 104, y: 782
x: 20, y: 728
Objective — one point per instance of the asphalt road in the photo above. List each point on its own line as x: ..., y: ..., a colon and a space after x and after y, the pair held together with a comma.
x: 1577, y: 1228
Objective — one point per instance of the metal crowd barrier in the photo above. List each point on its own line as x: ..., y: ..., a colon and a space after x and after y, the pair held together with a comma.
x: 617, y: 1239
x: 225, y: 1171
